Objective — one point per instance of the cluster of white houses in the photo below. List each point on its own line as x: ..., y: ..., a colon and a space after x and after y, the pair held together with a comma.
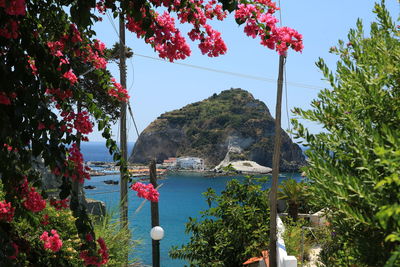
x: 184, y: 163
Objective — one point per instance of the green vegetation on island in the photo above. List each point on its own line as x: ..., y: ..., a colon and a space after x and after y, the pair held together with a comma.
x: 207, y: 129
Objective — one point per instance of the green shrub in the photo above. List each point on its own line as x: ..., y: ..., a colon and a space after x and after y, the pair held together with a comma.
x: 298, y: 241
x: 354, y: 164
x: 234, y: 228
x: 118, y: 239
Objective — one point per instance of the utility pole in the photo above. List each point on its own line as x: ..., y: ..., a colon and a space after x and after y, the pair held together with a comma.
x: 123, y: 136
x: 76, y: 187
x: 275, y: 167
x: 155, y: 220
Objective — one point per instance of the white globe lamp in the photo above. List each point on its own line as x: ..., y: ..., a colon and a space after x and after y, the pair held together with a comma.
x: 157, y: 233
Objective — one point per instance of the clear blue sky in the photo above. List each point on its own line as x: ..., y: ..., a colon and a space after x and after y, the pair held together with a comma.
x: 159, y: 86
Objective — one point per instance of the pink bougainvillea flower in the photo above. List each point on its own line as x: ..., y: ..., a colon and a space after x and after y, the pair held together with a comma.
x: 45, y: 220
x: 53, y: 242
x: 14, y: 7
x: 59, y: 204
x: 16, y: 251
x: 6, y: 211
x: 94, y: 259
x: 146, y: 191
x: 4, y: 99
x: 118, y: 91
x: 69, y: 75
x: 76, y: 159
x: 32, y: 200
x: 89, y: 237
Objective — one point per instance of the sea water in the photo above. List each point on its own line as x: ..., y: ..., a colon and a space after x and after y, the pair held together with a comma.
x: 180, y: 198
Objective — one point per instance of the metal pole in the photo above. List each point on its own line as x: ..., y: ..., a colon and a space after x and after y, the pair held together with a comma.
x: 123, y: 136
x: 275, y: 167
x: 155, y: 220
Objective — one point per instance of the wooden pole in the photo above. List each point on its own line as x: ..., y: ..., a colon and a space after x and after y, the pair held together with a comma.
x: 123, y: 136
x: 155, y: 220
x: 275, y: 167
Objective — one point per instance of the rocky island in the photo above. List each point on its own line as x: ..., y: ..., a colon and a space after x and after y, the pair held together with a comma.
x: 226, y: 127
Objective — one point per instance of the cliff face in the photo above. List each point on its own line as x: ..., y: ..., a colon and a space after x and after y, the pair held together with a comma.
x: 209, y: 128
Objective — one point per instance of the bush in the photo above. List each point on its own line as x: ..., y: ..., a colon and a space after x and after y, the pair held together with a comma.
x: 118, y: 239
x: 354, y: 165
x: 234, y: 228
x: 298, y: 241
x: 28, y: 248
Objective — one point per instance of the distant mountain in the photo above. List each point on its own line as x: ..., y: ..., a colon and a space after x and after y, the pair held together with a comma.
x: 231, y: 121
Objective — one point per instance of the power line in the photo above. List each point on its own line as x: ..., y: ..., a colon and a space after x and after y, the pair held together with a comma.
x: 133, y: 119
x: 247, y: 76
x: 286, y: 100
x: 100, y: 193
x: 285, y: 79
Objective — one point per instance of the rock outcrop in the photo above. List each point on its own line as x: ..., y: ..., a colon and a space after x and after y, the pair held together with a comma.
x: 231, y: 120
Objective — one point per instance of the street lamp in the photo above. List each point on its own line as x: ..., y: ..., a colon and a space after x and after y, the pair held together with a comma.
x: 157, y: 233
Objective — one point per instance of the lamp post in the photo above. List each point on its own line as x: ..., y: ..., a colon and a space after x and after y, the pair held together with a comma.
x: 156, y: 233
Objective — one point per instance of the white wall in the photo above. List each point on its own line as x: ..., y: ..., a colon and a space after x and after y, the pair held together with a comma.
x: 283, y: 259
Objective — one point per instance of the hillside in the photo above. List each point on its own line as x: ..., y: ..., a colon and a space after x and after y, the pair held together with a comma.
x: 209, y: 128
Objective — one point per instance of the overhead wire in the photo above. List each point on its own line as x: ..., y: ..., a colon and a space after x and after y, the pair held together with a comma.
x: 237, y: 74
x: 247, y: 76
x: 285, y: 80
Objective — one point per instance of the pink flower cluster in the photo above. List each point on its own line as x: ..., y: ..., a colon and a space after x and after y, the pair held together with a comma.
x: 146, y: 191
x: 75, y: 157
x: 32, y: 200
x: 100, y: 6
x: 71, y: 77
x: 167, y: 39
x: 16, y: 251
x: 79, y: 121
x: 8, y: 147
x: 13, y: 7
x: 75, y: 34
x: 53, y: 242
x: 32, y: 65
x: 45, y: 220
x: 6, y: 99
x: 60, y: 204
x: 58, y: 94
x: 90, y: 53
x: 94, y: 54
x: 96, y: 260
x: 212, y: 44
x: 118, y: 91
x: 10, y: 29
x: 82, y: 123
x: 259, y: 23
x: 6, y: 211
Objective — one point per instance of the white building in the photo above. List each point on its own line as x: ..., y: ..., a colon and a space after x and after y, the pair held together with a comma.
x: 190, y: 163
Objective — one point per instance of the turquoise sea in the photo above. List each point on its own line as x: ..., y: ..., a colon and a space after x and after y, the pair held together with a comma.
x: 180, y: 198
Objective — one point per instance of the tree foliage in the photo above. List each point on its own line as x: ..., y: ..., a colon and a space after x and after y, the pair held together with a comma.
x: 295, y: 195
x: 234, y: 228
x: 354, y: 164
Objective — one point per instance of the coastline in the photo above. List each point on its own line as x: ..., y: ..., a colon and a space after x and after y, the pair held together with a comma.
x: 102, y: 168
